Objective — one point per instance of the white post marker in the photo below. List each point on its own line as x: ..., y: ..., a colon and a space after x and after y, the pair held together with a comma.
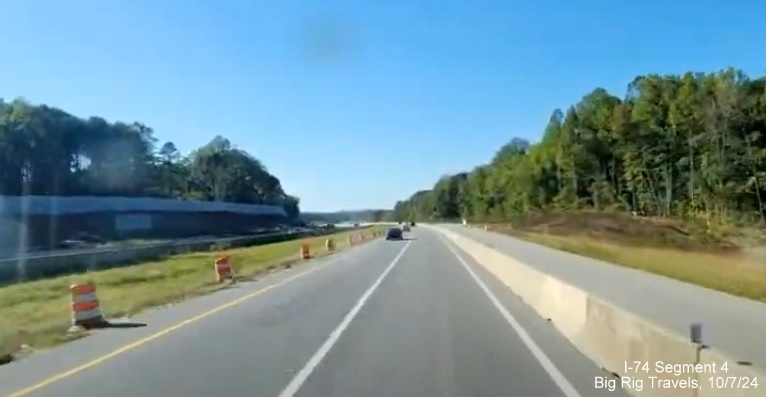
x: 695, y: 333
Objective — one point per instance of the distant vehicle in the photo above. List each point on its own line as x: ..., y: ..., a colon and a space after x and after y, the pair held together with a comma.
x: 81, y: 240
x: 412, y: 223
x: 406, y: 228
x: 305, y: 230
x: 88, y: 238
x: 75, y: 244
x: 394, y: 233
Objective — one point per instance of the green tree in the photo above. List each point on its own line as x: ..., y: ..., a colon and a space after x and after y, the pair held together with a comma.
x: 683, y: 146
x: 46, y: 151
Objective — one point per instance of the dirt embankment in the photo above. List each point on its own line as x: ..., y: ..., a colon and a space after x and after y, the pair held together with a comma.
x: 727, y: 259
x: 624, y: 229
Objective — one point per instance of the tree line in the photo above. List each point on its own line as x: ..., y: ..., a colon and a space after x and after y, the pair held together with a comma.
x: 47, y: 151
x: 689, y: 146
x: 366, y: 215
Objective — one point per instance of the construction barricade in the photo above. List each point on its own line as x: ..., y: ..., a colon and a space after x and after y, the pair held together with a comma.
x: 351, y: 239
x: 330, y: 245
x: 86, y: 310
x: 305, y: 252
x: 223, y: 269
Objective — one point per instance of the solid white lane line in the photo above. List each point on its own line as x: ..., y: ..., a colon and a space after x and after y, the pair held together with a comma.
x: 545, y: 362
x: 300, y: 378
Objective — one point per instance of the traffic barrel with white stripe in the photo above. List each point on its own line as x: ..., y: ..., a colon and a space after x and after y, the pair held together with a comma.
x: 86, y: 310
x: 330, y: 245
x: 223, y: 270
x: 305, y: 252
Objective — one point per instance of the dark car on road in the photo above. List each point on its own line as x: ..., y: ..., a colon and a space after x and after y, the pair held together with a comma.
x: 81, y: 240
x: 412, y: 223
x: 394, y: 233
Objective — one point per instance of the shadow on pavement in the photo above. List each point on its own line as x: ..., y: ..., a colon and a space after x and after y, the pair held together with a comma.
x: 229, y: 284
x: 6, y: 359
x: 125, y: 325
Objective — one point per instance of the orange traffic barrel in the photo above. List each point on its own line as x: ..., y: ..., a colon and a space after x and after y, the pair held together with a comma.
x: 223, y: 270
x: 305, y: 251
x: 86, y: 311
x: 330, y: 244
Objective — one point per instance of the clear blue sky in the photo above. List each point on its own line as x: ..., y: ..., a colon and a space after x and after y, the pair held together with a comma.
x: 355, y: 104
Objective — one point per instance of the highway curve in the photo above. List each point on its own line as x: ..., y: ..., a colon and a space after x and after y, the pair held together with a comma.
x: 384, y: 319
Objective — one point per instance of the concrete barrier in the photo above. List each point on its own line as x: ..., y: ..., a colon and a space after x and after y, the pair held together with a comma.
x: 739, y: 379
x: 628, y: 346
x: 632, y: 348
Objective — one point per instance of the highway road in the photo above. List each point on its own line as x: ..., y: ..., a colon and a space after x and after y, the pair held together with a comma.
x: 383, y: 319
x: 731, y: 324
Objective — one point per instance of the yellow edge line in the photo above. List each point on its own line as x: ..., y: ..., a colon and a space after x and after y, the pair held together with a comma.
x: 143, y: 341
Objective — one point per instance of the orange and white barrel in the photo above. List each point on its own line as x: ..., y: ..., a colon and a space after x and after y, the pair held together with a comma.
x: 330, y: 245
x: 223, y: 270
x: 86, y: 310
x: 305, y: 252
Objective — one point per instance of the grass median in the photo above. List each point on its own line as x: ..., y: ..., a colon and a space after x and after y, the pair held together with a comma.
x: 37, y: 313
x: 719, y: 261
x: 734, y: 274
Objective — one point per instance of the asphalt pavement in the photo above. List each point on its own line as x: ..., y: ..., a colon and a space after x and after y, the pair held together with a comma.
x: 388, y: 318
x: 731, y: 324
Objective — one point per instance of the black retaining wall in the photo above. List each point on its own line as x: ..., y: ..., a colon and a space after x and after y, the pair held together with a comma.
x: 49, y: 230
x: 41, y: 222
